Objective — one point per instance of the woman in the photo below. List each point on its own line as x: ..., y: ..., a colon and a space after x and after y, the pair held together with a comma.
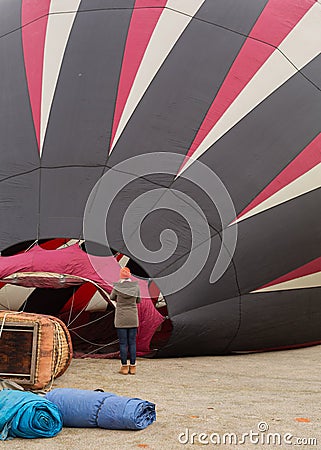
x: 126, y: 294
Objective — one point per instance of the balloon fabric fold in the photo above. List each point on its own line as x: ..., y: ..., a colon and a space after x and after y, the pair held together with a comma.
x: 27, y: 415
x: 84, y: 408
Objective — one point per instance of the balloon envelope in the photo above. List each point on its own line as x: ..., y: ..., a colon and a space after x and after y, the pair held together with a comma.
x: 198, y: 125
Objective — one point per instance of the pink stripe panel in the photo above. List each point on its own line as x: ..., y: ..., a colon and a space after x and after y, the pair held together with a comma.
x: 49, y: 245
x: 144, y: 19
x: 53, y: 244
x: 305, y: 161
x: 34, y: 18
x: 308, y: 269
x: 274, y: 24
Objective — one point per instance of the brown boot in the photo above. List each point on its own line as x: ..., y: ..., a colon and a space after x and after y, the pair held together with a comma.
x: 124, y: 370
x: 132, y: 369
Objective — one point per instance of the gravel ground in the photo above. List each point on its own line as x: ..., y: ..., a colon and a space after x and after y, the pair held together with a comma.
x: 237, y: 394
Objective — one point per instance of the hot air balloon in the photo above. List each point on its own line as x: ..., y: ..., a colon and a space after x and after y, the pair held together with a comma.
x: 181, y: 137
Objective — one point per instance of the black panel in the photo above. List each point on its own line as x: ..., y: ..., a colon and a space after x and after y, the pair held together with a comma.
x: 171, y: 212
x: 313, y: 73
x: 82, y: 112
x: 10, y: 17
x: 231, y: 14
x: 200, y: 291
x: 90, y: 5
x: 19, y: 198
x: 19, y: 158
x: 18, y: 146
x: 64, y: 194
x: 205, y: 331
x: 202, y: 185
x: 274, y: 320
x: 124, y: 199
x: 278, y: 241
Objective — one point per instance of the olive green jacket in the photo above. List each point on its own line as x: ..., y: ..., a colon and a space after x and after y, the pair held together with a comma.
x: 126, y: 294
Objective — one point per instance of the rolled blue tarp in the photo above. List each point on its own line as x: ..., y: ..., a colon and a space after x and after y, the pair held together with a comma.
x: 84, y: 408
x: 27, y: 415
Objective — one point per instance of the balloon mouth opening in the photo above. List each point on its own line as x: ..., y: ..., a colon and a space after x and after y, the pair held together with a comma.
x: 43, y: 280
x: 80, y: 303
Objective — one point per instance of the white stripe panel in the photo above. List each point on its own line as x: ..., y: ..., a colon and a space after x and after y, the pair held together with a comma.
x: 308, y: 182
x: 123, y: 261
x: 12, y: 297
x: 168, y: 30
x: 301, y: 45
x: 97, y: 303
x: 70, y: 242
x: 307, y: 281
x: 60, y: 20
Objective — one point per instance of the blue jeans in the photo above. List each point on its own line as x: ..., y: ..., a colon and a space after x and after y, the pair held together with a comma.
x: 127, y: 343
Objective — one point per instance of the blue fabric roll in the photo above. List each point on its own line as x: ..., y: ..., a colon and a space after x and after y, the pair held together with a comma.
x: 27, y: 415
x: 84, y: 408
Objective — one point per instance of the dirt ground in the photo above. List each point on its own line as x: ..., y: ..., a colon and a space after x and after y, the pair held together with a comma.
x: 265, y: 400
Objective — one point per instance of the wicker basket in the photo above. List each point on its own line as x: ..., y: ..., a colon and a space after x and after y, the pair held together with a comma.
x: 34, y: 349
